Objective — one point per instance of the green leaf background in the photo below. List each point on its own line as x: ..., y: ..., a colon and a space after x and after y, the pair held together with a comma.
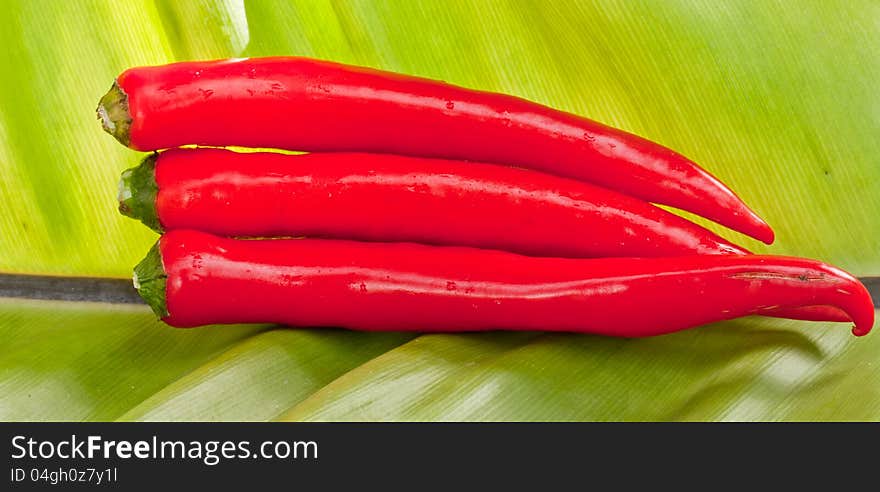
x: 780, y: 101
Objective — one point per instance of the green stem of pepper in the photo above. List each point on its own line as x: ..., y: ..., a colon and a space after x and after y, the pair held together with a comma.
x: 113, y: 113
x: 149, y: 279
x: 137, y: 193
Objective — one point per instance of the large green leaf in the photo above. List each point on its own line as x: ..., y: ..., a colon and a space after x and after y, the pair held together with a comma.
x: 779, y: 102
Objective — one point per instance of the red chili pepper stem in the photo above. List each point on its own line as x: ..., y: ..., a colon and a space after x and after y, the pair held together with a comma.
x: 138, y: 191
x: 114, y: 115
x: 311, y: 105
x: 411, y: 287
x: 149, y: 279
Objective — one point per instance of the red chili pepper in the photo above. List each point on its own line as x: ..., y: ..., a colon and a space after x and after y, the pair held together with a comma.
x: 381, y: 197
x: 311, y: 105
x: 193, y: 278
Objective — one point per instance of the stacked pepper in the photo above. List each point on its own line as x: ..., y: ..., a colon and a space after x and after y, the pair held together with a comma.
x: 430, y: 207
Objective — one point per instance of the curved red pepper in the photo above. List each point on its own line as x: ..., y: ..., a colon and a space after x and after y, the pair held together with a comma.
x: 375, y: 286
x: 310, y: 105
x: 380, y: 197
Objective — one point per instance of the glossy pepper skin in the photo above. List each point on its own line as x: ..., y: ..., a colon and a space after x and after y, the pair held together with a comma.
x: 311, y: 105
x: 381, y: 197
x: 194, y: 278
x: 387, y: 198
